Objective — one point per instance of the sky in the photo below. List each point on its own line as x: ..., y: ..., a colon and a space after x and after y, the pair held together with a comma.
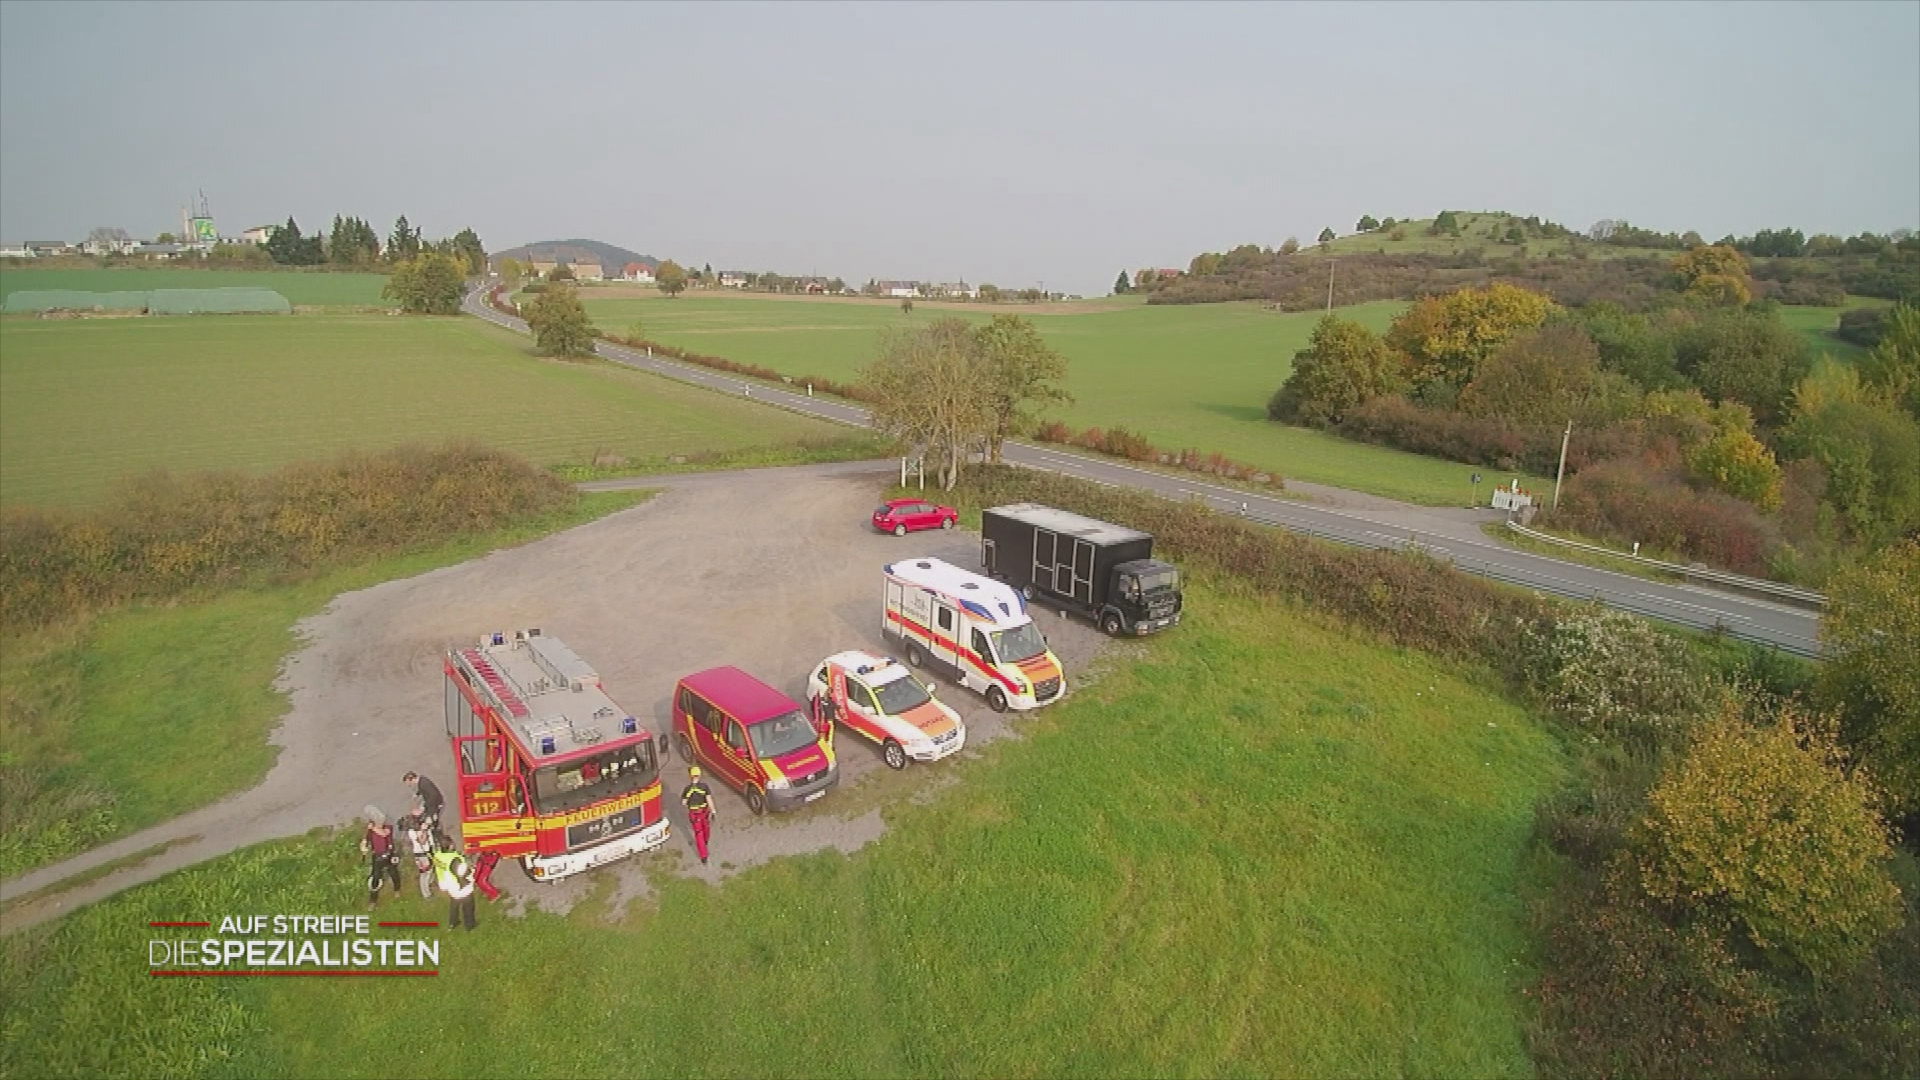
x: 1021, y: 144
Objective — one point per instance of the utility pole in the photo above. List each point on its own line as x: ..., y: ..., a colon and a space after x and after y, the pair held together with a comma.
x: 1330, y: 263
x: 1561, y: 474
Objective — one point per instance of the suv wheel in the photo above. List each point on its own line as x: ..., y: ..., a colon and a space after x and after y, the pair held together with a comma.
x: 756, y: 800
x: 1113, y: 624
x: 681, y: 743
x: 896, y: 757
x: 996, y: 699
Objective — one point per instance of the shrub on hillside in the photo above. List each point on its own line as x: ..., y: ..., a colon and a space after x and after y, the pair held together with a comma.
x: 164, y: 535
x: 1628, y: 500
x: 1863, y: 326
x: 1613, y: 676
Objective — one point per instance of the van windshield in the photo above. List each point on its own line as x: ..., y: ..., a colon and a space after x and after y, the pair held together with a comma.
x: 588, y: 780
x: 1023, y: 642
x: 782, y: 735
x: 901, y: 695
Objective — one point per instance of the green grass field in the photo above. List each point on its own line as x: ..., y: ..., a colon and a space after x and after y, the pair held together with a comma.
x: 300, y: 288
x: 1257, y: 847
x: 1480, y: 230
x: 77, y: 702
x: 86, y: 402
x: 1817, y: 325
x: 1189, y: 376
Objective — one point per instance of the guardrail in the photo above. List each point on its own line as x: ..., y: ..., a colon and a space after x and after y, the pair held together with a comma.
x: 1790, y: 593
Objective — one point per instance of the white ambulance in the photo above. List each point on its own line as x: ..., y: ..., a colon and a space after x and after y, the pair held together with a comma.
x: 877, y: 698
x: 974, y: 630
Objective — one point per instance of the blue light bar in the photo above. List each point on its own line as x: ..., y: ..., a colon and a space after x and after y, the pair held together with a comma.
x: 629, y: 725
x: 546, y: 744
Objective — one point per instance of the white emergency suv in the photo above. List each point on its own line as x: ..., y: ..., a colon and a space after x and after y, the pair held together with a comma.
x: 974, y: 630
x: 877, y: 698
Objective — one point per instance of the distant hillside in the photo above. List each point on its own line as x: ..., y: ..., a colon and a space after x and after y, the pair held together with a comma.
x: 610, y: 256
x: 1403, y: 260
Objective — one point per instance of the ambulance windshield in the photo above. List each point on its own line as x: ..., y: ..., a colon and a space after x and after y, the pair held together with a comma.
x: 782, y: 735
x: 1023, y: 642
x: 588, y: 780
x: 900, y: 695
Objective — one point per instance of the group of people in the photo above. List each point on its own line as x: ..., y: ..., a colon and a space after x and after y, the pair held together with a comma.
x: 436, y: 860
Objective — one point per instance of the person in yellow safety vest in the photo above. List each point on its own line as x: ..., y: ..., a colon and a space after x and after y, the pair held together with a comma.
x: 456, y: 880
x: 699, y: 804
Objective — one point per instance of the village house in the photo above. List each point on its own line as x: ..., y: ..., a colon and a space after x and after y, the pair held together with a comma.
x: 902, y: 289
x: 638, y: 272
x: 733, y: 279
x: 588, y: 271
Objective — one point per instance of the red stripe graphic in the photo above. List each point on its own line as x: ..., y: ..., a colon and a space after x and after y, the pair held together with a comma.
x: 408, y: 924
x: 290, y: 974
x: 947, y: 642
x: 179, y: 924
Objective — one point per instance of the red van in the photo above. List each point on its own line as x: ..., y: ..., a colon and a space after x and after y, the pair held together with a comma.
x: 755, y: 739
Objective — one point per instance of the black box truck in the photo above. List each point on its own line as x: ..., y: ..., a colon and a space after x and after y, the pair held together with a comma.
x: 1101, y: 570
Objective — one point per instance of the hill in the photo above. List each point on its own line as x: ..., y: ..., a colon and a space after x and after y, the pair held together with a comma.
x: 610, y: 256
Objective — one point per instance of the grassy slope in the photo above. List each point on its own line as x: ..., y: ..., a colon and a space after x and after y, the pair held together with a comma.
x: 84, y: 403
x: 1257, y: 847
x: 1817, y: 326
x: 1476, y: 230
x: 1196, y: 376
x: 79, y: 704
x: 299, y: 288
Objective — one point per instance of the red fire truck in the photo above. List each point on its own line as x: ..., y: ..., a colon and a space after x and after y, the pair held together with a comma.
x: 549, y: 768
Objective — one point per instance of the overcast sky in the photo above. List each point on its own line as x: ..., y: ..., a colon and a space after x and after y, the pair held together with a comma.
x: 1054, y: 142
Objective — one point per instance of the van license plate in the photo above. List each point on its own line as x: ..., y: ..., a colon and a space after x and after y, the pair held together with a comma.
x: 815, y: 795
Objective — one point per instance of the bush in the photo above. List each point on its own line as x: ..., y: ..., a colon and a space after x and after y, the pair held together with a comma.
x: 1630, y: 500
x: 1125, y: 444
x: 1863, y: 326
x: 849, y: 391
x: 1613, y: 676
x: 163, y: 535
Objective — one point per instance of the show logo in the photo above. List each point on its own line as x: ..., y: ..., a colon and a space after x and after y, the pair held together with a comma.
x: 341, y: 945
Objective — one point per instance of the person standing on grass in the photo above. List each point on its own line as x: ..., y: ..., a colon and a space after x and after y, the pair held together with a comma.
x: 456, y: 880
x: 699, y: 803
x: 483, y: 865
x: 377, y: 844
x: 428, y: 792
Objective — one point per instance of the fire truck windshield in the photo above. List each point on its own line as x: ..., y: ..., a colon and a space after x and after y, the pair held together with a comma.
x: 584, y: 781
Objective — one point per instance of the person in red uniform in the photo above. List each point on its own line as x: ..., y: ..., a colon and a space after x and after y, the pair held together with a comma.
x: 483, y: 865
x: 699, y: 803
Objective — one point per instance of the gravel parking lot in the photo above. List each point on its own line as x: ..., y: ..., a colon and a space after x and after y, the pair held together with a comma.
x: 769, y: 570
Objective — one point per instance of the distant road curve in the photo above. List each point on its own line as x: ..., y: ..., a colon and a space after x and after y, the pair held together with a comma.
x: 1789, y: 629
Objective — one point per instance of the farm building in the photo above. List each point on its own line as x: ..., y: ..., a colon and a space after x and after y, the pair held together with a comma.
x: 259, y: 234
x: 733, y: 279
x: 588, y: 271
x: 637, y: 272
x: 543, y: 267
x: 900, y: 288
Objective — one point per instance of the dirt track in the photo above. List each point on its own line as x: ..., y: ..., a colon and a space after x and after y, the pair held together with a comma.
x: 770, y: 570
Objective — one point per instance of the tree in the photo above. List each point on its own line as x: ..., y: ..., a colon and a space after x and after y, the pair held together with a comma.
x: 1343, y: 365
x: 1446, y: 337
x: 511, y: 270
x: 1290, y: 245
x: 1743, y: 355
x: 931, y: 392
x: 562, y: 272
x: 1326, y: 235
x: 1445, y: 223
x: 1545, y: 376
x: 1763, y: 831
x: 466, y: 244
x: 1121, y: 286
x: 168, y: 238
x: 428, y: 284
x: 283, y: 243
x: 1871, y: 453
x: 1021, y: 370
x: 1740, y: 465
x: 991, y: 293
x: 559, y: 323
x: 1714, y: 274
x: 1388, y: 223
x: 1367, y: 224
x: 1631, y: 345
x: 1894, y: 364
x: 669, y: 278
x: 1872, y: 633
x: 404, y: 243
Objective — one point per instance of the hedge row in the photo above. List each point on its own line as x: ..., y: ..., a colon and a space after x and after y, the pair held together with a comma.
x: 1121, y: 443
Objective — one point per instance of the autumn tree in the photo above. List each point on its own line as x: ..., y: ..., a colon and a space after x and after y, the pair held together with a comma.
x: 670, y: 278
x: 1872, y: 634
x: 1022, y: 371
x: 1765, y: 833
x: 1894, y: 363
x: 511, y: 270
x: 1446, y: 337
x: 1343, y: 365
x: 559, y: 323
x: 1290, y: 245
x: 428, y: 284
x: 1714, y: 274
x: 1545, y: 376
x: 1739, y: 464
x: 931, y: 392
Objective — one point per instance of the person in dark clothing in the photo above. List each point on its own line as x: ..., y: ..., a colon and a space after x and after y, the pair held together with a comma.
x: 699, y: 803
x: 377, y: 843
x: 428, y: 794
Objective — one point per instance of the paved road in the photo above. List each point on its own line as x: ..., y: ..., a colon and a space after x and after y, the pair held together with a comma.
x: 1454, y: 536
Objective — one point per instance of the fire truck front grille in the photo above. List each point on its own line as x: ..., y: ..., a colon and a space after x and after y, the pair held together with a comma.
x: 1046, y: 689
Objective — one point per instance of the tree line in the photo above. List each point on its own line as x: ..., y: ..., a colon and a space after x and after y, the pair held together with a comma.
x: 352, y: 242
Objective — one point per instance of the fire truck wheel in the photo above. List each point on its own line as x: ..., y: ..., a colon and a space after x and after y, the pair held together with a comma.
x: 756, y: 800
x: 896, y: 757
x: 915, y: 657
x: 686, y: 748
x: 899, y: 530
x: 996, y: 699
x: 1112, y: 624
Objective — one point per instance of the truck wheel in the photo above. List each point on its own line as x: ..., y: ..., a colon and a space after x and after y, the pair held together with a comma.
x: 996, y: 699
x: 685, y: 747
x: 896, y: 757
x: 1113, y: 624
x: 899, y: 530
x: 756, y: 800
x: 1026, y: 591
x: 915, y: 657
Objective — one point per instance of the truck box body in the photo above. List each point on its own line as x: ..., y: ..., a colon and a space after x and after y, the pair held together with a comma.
x: 1073, y: 560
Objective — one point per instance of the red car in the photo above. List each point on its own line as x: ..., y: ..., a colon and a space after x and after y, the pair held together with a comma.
x: 902, y: 516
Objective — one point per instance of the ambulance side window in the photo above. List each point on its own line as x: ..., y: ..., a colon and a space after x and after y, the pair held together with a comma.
x: 981, y: 648
x: 945, y: 619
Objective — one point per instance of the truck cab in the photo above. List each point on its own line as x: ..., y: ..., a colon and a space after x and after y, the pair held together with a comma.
x: 1144, y: 596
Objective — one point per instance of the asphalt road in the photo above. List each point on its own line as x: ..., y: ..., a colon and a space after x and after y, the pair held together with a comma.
x: 1447, y: 536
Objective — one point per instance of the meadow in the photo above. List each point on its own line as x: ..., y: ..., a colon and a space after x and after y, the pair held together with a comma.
x: 301, y: 288
x: 1188, y: 376
x: 1817, y: 326
x: 1256, y: 846
x: 88, y: 402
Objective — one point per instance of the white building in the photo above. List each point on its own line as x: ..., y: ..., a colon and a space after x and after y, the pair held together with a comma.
x: 259, y: 234
x: 733, y: 279
x: 15, y: 251
x: 903, y: 289
x: 637, y: 272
